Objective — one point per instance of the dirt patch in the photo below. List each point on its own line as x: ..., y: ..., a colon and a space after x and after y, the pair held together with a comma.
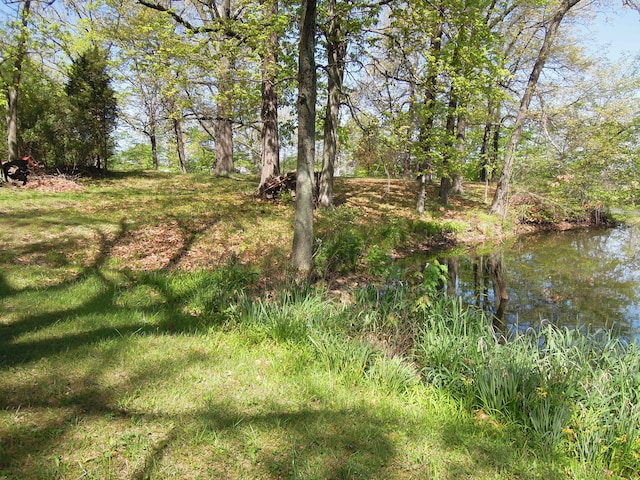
x: 53, y: 184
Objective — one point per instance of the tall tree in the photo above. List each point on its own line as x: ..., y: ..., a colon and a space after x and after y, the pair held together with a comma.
x: 232, y: 35
x: 13, y: 86
x: 177, y: 130
x: 500, y: 198
x: 93, y: 108
x: 302, y: 252
x: 148, y: 68
x: 336, y: 53
x: 217, y: 23
x: 428, y: 109
x: 269, y: 113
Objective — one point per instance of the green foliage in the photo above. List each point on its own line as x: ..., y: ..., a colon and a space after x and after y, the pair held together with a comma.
x: 290, y: 317
x: 134, y: 158
x: 43, y: 112
x: 584, y: 152
x: 378, y: 261
x: 68, y: 126
x: 430, y: 281
x: 351, y: 359
x: 394, y: 374
x: 571, y: 391
x: 209, y: 295
x: 339, y: 253
x: 93, y: 110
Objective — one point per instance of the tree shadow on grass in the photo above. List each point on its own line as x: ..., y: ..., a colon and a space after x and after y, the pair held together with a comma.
x: 43, y: 412
x: 105, y: 293
x: 275, y: 442
x: 5, y: 288
x: 268, y: 441
x: 305, y: 443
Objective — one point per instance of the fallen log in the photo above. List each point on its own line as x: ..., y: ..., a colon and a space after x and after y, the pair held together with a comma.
x: 274, y: 186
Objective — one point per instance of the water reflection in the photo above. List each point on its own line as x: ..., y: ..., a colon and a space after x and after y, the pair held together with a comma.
x: 576, y: 278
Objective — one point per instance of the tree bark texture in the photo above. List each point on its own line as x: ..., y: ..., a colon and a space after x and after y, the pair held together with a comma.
x: 182, y: 159
x: 461, y: 136
x: 13, y: 88
x: 500, y: 198
x: 269, y: 111
x: 336, y: 52
x: 427, y: 125
x: 302, y: 253
x: 223, y: 131
x: 446, y: 180
x: 153, y: 138
x: 223, y: 128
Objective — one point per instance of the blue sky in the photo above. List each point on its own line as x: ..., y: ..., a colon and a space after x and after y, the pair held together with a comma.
x: 616, y: 33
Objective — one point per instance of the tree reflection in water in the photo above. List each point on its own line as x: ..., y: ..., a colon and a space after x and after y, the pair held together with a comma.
x: 577, y: 278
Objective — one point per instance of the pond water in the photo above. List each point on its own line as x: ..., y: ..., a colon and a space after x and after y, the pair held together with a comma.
x: 574, y: 278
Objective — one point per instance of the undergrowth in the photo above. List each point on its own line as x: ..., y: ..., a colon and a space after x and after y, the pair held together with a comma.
x: 573, y: 394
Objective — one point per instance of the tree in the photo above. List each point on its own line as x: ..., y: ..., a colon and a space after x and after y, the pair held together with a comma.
x: 336, y: 53
x: 269, y: 111
x: 217, y: 23
x: 13, y: 84
x: 499, y: 204
x: 302, y: 253
x: 93, y: 112
x: 231, y: 40
x: 147, y: 69
x: 581, y: 146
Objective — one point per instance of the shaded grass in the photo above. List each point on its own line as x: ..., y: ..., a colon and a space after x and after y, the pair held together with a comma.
x: 119, y: 382
x: 145, y: 333
x: 123, y: 384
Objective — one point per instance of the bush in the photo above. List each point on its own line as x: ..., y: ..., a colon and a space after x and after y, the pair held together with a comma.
x: 339, y: 253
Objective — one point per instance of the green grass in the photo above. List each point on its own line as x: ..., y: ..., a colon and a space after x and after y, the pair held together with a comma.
x: 147, y: 331
x: 115, y: 378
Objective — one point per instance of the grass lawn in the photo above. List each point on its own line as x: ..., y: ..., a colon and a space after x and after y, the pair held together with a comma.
x: 122, y: 355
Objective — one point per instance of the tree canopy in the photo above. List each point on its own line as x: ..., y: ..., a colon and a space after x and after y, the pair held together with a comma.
x: 447, y: 91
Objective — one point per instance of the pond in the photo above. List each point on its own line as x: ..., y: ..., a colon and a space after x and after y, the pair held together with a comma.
x: 574, y: 278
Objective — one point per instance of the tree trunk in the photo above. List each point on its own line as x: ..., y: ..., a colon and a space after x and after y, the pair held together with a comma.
x: 182, y: 159
x: 153, y: 138
x: 486, y: 166
x: 336, y: 52
x: 495, y: 147
x: 500, y: 198
x: 12, y: 121
x: 461, y: 132
x: 13, y: 88
x: 269, y: 112
x: 425, y: 129
x: 223, y: 128
x: 152, y: 133
x: 445, y: 181
x: 302, y: 253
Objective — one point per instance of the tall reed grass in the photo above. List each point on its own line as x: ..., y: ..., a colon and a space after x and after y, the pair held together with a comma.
x: 571, y: 391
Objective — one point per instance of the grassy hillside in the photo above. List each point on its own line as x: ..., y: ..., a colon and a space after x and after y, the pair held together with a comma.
x: 147, y: 331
